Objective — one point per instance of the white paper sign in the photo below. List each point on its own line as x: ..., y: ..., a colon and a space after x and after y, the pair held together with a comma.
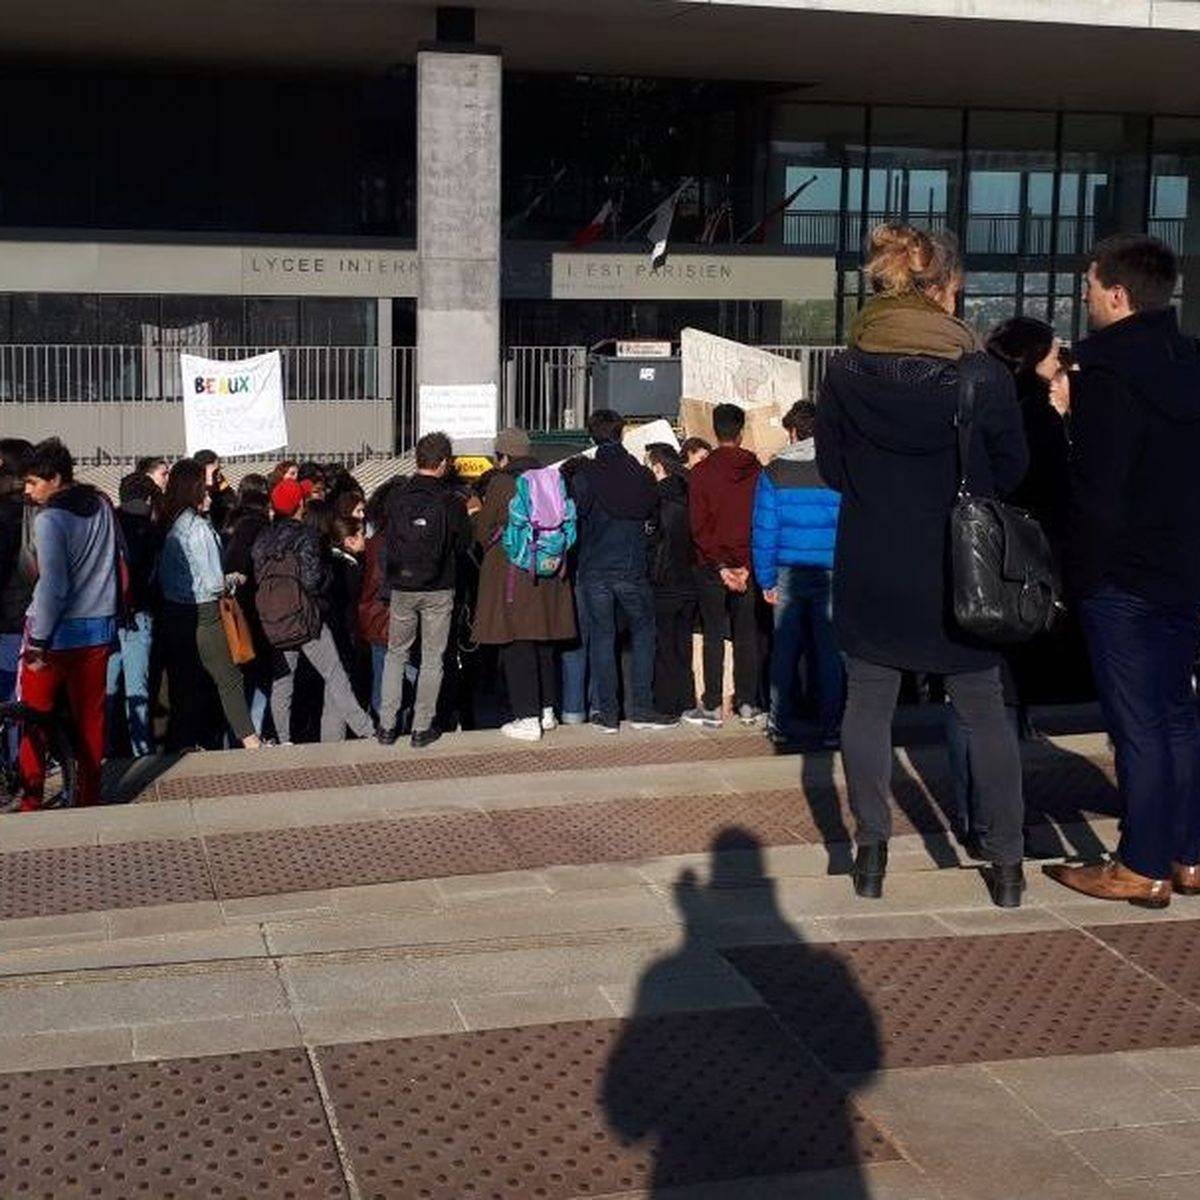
x: 457, y: 410
x: 233, y: 407
x: 637, y: 437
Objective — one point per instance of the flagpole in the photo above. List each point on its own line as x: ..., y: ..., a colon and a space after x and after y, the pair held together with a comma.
x: 770, y: 216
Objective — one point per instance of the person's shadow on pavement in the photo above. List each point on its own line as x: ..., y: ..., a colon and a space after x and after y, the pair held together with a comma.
x: 734, y: 1092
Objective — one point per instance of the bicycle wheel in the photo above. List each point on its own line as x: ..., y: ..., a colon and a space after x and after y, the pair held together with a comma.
x: 15, y: 720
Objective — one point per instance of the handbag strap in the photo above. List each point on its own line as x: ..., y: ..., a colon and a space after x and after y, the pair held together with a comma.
x: 968, y: 377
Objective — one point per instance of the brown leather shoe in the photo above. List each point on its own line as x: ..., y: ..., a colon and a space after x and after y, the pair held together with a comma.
x: 1185, y: 880
x: 1113, y: 880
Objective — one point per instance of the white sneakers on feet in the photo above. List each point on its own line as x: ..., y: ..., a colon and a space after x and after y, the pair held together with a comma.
x: 525, y: 729
x: 549, y: 721
x: 706, y: 718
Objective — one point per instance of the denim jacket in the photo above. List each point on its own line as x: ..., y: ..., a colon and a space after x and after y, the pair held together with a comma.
x: 190, y: 571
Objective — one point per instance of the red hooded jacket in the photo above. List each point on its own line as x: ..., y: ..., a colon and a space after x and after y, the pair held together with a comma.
x: 721, y: 504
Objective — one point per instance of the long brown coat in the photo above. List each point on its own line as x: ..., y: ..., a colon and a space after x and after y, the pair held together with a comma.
x: 538, y: 612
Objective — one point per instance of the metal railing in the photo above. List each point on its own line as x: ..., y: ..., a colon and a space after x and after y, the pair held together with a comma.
x: 815, y: 360
x: 547, y: 387
x: 544, y: 387
x: 98, y: 374
x: 987, y: 233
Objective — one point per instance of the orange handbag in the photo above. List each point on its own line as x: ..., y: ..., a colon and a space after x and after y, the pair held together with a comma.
x: 237, y: 631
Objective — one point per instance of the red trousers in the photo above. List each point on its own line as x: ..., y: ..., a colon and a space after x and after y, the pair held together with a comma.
x: 84, y: 674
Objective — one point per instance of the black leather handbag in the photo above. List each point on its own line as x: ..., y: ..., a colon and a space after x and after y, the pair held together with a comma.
x: 1006, y: 586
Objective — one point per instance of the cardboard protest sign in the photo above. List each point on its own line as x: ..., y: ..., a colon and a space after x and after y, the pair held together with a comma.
x: 718, y: 371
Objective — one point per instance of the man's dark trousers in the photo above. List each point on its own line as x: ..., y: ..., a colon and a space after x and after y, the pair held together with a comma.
x: 1142, y: 657
x: 721, y: 610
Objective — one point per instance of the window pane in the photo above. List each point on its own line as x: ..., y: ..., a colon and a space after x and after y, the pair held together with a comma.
x: 1175, y: 204
x: 1009, y: 199
x: 818, y: 147
x: 915, y: 166
x: 1104, y: 182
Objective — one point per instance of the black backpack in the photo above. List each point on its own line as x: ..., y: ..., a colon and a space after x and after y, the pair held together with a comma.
x: 289, y: 616
x: 418, y: 537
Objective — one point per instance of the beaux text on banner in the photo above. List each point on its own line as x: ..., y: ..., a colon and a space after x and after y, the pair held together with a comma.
x: 233, y: 407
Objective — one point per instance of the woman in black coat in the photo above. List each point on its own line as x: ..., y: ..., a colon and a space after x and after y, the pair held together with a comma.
x: 886, y: 440
x: 1053, y: 668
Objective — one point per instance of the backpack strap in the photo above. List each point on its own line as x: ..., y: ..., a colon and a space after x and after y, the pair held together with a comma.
x: 969, y: 374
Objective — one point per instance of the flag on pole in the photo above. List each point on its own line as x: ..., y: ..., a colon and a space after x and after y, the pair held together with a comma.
x: 595, y: 227
x: 660, y: 230
x: 721, y: 215
x: 758, y: 233
x: 534, y: 204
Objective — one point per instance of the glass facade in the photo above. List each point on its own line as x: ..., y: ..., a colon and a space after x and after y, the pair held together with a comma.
x: 215, y: 151
x: 1027, y: 192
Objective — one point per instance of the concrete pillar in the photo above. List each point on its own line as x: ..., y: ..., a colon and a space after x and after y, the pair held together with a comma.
x: 458, y: 242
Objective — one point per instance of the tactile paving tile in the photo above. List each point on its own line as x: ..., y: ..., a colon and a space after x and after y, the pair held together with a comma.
x: 913, y: 1003
x: 415, y: 768
x: 258, y: 783
x: 589, y: 1108
x: 224, y: 1128
x: 296, y: 860
x: 1166, y: 949
x: 645, y: 827
x: 37, y: 883
x: 613, y: 752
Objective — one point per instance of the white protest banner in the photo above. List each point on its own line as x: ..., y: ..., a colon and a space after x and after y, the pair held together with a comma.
x: 233, y: 407
x: 466, y: 411
x: 720, y: 371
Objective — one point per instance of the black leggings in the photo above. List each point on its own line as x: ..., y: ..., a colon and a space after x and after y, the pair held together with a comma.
x: 995, y: 755
x: 531, y: 672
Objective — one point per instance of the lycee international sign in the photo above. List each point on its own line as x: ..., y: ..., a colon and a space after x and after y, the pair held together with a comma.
x: 233, y: 407
x: 329, y: 272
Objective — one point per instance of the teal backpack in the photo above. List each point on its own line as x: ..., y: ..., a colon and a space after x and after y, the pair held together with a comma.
x: 541, y: 524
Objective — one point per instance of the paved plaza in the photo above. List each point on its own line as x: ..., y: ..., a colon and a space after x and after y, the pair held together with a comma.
x: 607, y: 968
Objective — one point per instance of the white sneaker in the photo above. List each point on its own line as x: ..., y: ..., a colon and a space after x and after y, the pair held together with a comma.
x: 526, y: 729
x: 548, y: 719
x: 706, y: 718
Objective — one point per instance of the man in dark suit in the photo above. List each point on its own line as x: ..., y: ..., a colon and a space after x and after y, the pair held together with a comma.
x: 1134, y: 562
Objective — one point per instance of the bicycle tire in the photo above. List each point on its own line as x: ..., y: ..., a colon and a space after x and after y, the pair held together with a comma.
x: 14, y: 717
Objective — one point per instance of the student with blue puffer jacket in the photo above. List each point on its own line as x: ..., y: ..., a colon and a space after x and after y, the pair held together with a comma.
x: 791, y: 543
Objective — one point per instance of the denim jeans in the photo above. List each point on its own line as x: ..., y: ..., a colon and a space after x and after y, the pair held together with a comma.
x: 131, y: 658
x: 803, y: 617
x: 601, y: 594
x: 573, y: 680
x: 258, y: 699
x: 1142, y: 657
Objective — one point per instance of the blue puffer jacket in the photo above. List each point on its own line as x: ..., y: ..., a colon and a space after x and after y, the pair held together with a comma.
x: 795, y: 516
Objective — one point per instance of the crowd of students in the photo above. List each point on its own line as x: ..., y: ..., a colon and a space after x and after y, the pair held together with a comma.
x: 580, y: 586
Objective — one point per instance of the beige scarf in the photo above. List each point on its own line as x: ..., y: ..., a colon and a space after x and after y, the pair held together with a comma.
x: 911, y: 324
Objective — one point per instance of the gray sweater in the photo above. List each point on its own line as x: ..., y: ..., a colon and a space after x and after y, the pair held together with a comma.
x: 75, y: 598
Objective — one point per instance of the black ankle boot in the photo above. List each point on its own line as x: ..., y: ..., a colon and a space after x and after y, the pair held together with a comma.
x: 1005, y: 883
x: 870, y: 865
